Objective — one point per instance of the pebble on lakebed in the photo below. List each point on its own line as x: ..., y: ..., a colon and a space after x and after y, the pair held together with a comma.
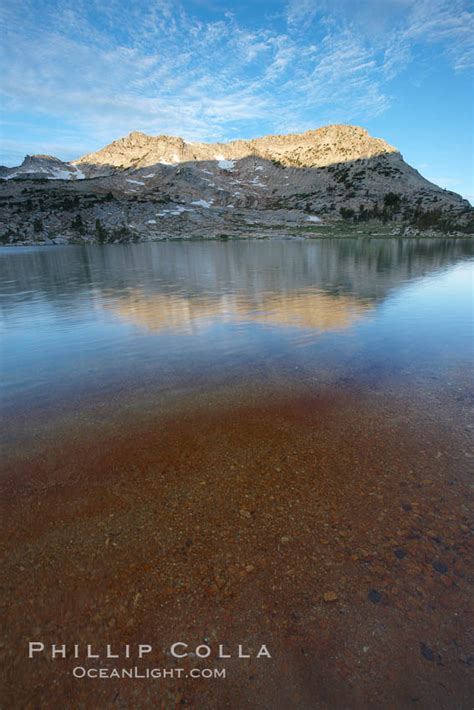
x: 374, y: 596
x: 427, y: 652
x: 440, y: 567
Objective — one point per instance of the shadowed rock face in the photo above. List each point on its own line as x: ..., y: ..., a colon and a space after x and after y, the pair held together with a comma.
x: 160, y: 187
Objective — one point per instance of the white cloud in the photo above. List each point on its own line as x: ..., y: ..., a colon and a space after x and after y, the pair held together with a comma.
x: 395, y: 26
x: 100, y: 70
x: 301, y: 13
x: 449, y: 23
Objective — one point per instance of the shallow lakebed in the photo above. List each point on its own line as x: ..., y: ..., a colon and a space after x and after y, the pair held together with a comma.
x: 241, y: 443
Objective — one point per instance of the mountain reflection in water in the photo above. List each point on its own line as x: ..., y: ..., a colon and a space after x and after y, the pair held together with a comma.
x: 317, y: 311
x: 75, y: 319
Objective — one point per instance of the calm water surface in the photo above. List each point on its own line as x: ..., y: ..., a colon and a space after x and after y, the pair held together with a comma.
x: 82, y: 320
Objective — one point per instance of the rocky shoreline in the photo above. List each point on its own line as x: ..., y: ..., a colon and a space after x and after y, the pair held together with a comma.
x: 244, y: 226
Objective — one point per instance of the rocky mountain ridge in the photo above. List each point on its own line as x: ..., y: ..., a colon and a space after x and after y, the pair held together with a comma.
x: 312, y: 149
x: 37, y: 167
x: 152, y: 187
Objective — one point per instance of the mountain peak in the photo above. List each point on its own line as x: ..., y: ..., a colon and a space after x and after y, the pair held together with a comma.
x: 315, y: 148
x: 42, y: 156
x: 44, y: 166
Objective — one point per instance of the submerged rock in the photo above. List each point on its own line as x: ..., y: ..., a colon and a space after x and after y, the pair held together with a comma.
x: 374, y: 596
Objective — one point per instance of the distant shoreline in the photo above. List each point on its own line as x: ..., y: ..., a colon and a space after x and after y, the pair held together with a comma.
x: 279, y: 233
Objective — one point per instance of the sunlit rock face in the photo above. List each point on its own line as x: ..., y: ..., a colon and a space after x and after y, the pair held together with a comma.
x: 316, y: 148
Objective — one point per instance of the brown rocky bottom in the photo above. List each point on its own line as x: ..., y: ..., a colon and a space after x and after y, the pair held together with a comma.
x: 332, y: 527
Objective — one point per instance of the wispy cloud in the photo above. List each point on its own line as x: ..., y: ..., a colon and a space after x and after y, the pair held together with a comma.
x: 449, y: 24
x: 98, y: 70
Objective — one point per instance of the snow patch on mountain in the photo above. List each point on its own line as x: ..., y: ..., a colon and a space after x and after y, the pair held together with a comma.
x: 225, y: 164
x: 202, y: 203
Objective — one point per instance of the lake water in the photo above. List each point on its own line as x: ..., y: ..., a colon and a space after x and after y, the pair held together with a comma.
x: 78, y: 321
x: 253, y: 442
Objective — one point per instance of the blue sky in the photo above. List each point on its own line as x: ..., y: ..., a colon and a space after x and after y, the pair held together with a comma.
x: 80, y: 73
